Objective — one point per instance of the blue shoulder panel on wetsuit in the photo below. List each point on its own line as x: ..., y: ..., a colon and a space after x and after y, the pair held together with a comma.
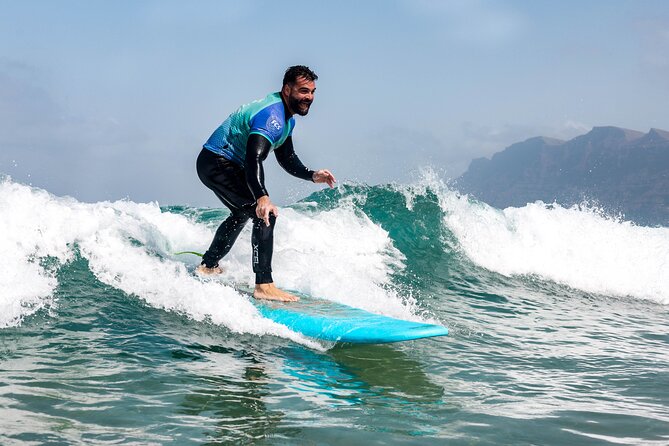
x: 269, y: 122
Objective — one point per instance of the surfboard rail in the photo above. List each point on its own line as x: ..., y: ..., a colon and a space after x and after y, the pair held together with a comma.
x: 335, y: 322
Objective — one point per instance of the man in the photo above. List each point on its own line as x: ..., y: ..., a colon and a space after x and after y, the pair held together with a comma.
x: 230, y: 164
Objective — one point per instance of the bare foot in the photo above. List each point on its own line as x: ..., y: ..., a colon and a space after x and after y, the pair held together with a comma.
x: 269, y: 291
x: 204, y: 271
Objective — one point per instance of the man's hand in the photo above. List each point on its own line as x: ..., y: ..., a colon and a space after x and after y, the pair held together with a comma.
x: 324, y: 176
x: 264, y: 207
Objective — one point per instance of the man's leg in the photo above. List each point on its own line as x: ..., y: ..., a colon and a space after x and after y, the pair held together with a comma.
x: 262, y: 243
x: 225, y: 237
x: 227, y: 181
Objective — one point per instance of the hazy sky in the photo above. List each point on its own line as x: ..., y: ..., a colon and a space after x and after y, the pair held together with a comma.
x: 103, y: 100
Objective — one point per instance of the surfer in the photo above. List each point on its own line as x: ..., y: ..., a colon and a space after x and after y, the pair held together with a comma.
x: 230, y: 164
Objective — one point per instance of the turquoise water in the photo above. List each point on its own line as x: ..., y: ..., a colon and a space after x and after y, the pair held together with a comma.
x: 107, y: 338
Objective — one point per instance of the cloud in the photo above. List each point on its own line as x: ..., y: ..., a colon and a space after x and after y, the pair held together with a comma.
x: 177, y: 14
x: 570, y: 129
x: 41, y: 141
x: 26, y: 110
x: 31, y: 118
x: 655, y: 46
x: 484, y: 140
x: 472, y: 22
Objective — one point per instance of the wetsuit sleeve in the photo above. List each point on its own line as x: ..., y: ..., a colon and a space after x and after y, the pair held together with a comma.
x: 257, y: 149
x: 288, y: 159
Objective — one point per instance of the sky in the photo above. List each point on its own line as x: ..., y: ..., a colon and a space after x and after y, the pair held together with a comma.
x: 106, y: 100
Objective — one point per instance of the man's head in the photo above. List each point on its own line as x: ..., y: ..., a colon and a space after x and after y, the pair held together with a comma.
x: 299, y: 86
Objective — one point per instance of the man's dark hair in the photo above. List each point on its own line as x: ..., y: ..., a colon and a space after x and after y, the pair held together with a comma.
x: 297, y: 71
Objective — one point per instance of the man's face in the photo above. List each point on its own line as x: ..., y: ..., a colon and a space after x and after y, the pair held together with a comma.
x: 299, y: 95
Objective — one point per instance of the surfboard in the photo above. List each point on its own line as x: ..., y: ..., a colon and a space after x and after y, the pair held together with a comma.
x: 330, y: 321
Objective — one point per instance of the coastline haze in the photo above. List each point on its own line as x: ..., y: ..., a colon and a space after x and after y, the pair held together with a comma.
x: 109, y: 101
x: 619, y: 171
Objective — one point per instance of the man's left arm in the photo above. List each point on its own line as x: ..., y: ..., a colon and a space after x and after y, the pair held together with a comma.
x: 288, y: 159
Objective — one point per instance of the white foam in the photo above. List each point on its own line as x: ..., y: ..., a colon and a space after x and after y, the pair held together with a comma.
x: 126, y: 245
x: 339, y: 255
x: 576, y: 247
x: 25, y: 285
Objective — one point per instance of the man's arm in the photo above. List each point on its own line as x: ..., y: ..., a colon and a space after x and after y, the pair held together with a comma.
x: 288, y: 159
x: 257, y: 149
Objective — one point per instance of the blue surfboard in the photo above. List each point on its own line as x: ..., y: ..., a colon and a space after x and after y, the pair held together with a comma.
x: 336, y: 322
x: 330, y: 321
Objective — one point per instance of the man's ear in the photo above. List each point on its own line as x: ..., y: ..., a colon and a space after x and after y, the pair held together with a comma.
x: 285, y: 90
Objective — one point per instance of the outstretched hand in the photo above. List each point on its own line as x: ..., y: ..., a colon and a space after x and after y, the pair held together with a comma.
x: 324, y: 176
x: 264, y: 207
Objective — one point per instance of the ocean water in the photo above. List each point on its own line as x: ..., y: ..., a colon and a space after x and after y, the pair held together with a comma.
x: 558, y: 319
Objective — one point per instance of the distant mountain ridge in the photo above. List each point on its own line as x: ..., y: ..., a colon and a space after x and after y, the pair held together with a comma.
x: 622, y: 170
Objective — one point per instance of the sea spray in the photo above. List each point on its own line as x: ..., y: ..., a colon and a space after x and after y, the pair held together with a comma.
x: 336, y: 254
x: 125, y: 248
x: 576, y: 247
x: 579, y: 247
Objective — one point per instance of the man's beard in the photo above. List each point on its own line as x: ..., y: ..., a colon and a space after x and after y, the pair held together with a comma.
x: 297, y: 106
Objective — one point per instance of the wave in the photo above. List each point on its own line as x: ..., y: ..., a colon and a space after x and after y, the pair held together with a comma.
x: 336, y: 254
x: 579, y: 247
x: 372, y: 247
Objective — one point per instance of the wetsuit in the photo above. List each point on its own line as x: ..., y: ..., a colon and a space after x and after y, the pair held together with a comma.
x: 230, y: 164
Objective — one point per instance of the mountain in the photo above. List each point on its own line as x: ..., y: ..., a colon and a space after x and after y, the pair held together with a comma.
x: 623, y: 171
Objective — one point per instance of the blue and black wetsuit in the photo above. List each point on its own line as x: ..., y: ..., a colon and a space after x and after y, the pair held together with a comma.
x: 230, y: 164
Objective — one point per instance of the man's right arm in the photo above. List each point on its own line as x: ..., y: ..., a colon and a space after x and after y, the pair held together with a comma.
x: 257, y: 149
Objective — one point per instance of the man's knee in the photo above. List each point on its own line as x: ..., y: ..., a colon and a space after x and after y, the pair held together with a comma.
x: 239, y: 218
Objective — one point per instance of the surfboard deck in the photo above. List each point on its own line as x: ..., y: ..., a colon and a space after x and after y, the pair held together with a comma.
x: 331, y: 321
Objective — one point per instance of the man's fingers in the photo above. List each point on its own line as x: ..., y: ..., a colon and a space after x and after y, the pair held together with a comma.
x: 266, y: 213
x: 330, y: 179
x: 325, y: 176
